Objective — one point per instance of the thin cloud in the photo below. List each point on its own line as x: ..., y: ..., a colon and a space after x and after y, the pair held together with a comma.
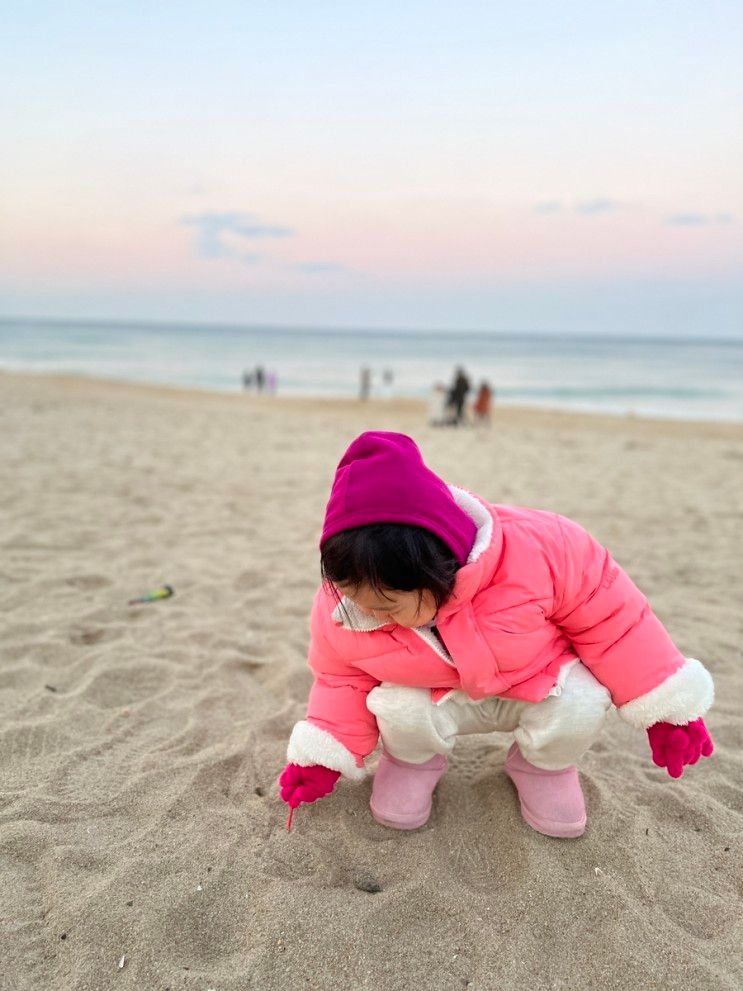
x: 590, y: 208
x: 688, y: 219
x: 699, y: 219
x: 585, y: 208
x: 318, y: 268
x: 198, y: 187
x: 222, y: 235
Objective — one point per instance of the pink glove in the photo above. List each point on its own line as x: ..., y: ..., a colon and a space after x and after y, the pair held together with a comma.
x: 299, y: 784
x: 675, y: 746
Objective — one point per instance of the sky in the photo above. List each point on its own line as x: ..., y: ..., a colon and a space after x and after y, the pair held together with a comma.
x: 572, y: 167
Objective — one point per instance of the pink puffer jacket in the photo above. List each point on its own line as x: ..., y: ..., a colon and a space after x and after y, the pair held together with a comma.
x: 536, y: 591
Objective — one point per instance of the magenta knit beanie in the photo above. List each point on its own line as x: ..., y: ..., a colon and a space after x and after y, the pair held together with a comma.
x: 382, y: 479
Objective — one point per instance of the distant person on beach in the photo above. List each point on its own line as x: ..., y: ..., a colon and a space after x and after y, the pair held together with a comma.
x: 458, y: 395
x: 437, y: 405
x: 441, y: 614
x: 365, y: 383
x: 388, y: 377
x: 272, y: 383
x: 247, y: 380
x: 260, y: 378
x: 482, y: 407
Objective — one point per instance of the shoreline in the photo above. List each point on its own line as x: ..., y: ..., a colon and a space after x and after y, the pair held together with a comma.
x: 536, y: 414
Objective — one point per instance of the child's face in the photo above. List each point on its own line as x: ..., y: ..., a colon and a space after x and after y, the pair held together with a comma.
x: 390, y: 606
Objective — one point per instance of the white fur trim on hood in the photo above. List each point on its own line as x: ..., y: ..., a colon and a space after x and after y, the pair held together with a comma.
x: 683, y: 697
x: 348, y: 615
x: 479, y: 516
x: 309, y: 744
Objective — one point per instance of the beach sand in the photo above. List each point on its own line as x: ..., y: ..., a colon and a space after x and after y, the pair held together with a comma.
x: 142, y: 841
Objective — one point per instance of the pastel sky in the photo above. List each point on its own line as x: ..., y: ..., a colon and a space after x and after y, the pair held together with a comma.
x: 566, y: 167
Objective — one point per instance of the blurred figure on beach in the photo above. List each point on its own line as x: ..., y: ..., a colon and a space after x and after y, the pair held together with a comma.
x: 438, y: 411
x: 483, y: 405
x: 365, y: 383
x: 457, y: 396
x: 388, y: 377
x: 259, y: 380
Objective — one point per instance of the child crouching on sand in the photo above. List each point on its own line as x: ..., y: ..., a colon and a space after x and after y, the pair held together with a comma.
x: 441, y: 614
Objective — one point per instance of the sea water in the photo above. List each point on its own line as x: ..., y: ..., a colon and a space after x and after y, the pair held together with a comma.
x: 680, y: 378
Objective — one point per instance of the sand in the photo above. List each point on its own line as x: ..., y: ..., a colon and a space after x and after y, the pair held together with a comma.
x: 142, y: 840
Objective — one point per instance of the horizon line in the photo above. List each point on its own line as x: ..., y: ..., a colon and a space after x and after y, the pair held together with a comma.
x: 360, y: 329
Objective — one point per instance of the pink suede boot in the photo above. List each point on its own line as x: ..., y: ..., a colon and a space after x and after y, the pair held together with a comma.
x: 551, y: 801
x: 401, y: 793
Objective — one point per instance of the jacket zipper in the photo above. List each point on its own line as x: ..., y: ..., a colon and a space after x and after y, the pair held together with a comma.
x: 435, y: 644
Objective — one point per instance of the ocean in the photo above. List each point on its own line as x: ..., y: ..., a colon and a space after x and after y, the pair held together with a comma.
x: 689, y: 379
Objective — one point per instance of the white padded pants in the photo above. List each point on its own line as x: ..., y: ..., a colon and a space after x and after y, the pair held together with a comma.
x: 552, y: 734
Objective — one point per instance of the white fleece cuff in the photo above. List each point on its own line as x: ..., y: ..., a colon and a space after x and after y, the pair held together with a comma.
x: 684, y: 696
x: 309, y: 744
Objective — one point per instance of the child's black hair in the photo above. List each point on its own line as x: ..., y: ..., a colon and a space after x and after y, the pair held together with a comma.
x: 390, y: 556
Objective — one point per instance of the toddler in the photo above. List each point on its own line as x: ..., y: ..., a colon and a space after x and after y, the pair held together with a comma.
x: 441, y: 614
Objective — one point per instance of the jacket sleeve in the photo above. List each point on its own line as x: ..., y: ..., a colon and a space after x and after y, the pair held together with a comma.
x: 338, y: 731
x: 619, y: 638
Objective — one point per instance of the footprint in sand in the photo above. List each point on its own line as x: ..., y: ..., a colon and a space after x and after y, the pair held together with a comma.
x: 473, y: 762
x: 727, y: 795
x: 305, y: 853
x: 27, y: 856
x: 127, y: 684
x: 473, y: 855
x: 697, y: 912
x: 87, y: 636
x: 249, y: 579
x: 88, y: 581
